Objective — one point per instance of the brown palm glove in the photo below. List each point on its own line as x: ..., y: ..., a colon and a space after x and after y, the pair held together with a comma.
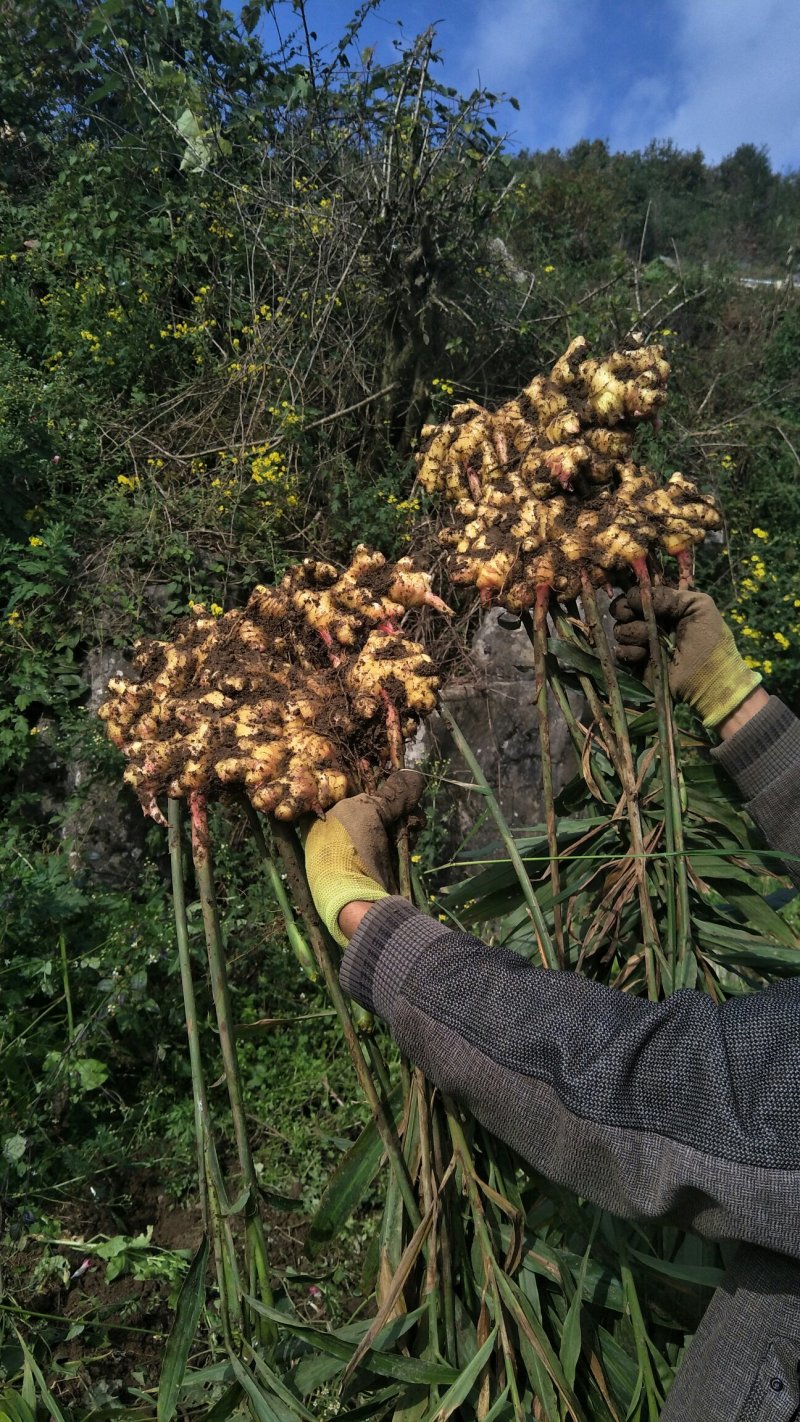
x: 349, y: 856
x: 705, y: 667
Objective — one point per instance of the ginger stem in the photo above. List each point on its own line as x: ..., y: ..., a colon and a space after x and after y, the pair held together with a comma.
x: 542, y: 603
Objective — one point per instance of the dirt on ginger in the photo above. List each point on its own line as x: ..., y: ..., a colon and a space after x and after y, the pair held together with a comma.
x: 298, y: 699
x: 545, y: 492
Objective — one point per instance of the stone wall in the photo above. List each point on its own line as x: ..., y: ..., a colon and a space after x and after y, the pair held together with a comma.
x: 106, y: 831
x: 495, y: 710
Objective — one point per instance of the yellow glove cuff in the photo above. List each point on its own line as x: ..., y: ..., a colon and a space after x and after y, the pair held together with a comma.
x: 336, y: 875
x: 721, y: 684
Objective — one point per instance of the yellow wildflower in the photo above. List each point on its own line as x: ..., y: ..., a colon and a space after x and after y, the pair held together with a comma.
x: 753, y: 663
x: 781, y: 640
x: 766, y: 666
x: 761, y: 533
x: 549, y: 268
x: 751, y: 632
x: 269, y: 468
x: 35, y: 542
x: 215, y: 610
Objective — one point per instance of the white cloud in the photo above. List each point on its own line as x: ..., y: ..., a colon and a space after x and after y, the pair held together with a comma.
x: 536, y: 50
x: 509, y: 39
x: 721, y: 73
x: 574, y: 117
x: 735, y: 81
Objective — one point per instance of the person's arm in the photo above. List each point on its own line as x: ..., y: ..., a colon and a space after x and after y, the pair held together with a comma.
x: 739, y: 718
x: 759, y: 737
x: 680, y: 1111
x: 762, y: 755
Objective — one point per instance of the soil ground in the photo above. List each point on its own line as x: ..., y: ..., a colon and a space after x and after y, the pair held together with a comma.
x: 98, y: 1339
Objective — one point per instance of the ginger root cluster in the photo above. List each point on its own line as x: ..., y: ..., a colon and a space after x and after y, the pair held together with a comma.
x: 545, y: 489
x: 290, y: 699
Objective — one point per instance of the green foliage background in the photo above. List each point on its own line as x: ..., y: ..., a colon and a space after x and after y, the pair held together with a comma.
x: 232, y: 287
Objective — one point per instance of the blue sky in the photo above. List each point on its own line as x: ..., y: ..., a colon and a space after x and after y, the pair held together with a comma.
x: 710, y: 74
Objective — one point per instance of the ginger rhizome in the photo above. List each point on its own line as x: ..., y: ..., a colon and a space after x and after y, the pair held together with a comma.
x: 545, y: 491
x: 291, y: 699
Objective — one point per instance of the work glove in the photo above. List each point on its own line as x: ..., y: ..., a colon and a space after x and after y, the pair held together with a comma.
x: 705, y: 667
x: 349, y: 856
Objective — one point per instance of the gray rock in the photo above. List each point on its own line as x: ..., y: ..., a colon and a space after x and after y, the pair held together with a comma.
x: 101, y: 664
x: 496, y: 713
x: 104, y: 829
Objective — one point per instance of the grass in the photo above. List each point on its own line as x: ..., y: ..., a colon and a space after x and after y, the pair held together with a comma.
x: 121, y: 1157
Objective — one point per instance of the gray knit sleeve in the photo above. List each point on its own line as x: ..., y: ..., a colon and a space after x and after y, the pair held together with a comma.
x: 681, y: 1111
x: 764, y: 761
